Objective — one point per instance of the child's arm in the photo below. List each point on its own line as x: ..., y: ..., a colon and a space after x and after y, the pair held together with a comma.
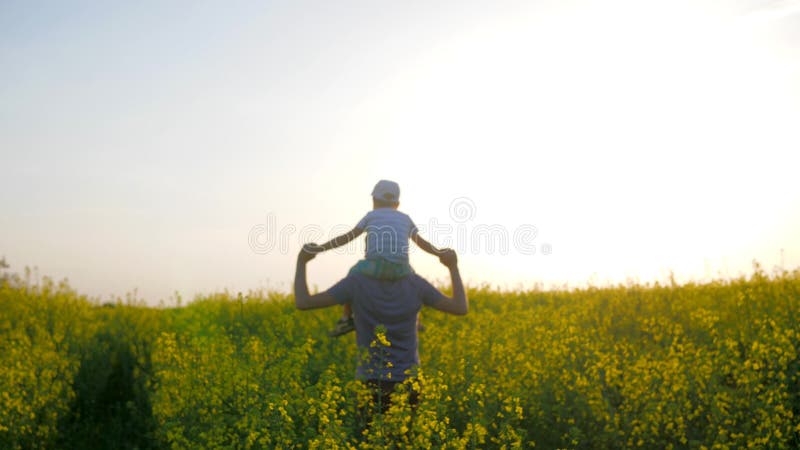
x: 425, y: 245
x: 339, y: 241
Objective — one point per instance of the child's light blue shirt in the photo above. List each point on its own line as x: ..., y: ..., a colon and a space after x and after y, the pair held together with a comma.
x: 388, y: 231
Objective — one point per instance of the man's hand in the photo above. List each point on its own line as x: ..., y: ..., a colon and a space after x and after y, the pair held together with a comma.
x: 449, y: 258
x: 311, y: 247
x: 308, y: 252
x: 302, y: 299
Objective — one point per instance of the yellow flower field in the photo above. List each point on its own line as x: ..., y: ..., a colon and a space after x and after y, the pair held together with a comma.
x: 711, y: 366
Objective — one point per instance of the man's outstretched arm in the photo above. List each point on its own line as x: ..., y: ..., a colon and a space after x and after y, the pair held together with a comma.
x: 302, y: 299
x: 458, y: 304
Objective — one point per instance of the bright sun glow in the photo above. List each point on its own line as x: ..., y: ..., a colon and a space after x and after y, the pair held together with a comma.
x: 646, y: 136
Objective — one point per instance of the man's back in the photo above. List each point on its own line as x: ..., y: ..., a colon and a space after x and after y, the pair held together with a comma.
x: 393, y: 306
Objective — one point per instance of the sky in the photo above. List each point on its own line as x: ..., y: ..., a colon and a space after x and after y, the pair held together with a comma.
x: 181, y: 148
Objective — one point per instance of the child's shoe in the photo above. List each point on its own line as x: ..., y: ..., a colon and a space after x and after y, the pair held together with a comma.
x: 343, y: 326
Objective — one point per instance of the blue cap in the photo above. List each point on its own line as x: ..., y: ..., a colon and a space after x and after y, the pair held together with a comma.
x: 387, y: 191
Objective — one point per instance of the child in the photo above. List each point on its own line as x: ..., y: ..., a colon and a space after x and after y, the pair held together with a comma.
x: 388, y: 231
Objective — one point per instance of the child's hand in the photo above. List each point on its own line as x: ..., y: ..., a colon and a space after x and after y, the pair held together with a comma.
x: 448, y: 257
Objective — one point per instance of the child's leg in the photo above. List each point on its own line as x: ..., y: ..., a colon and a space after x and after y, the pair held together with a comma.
x: 345, y: 323
x: 347, y: 311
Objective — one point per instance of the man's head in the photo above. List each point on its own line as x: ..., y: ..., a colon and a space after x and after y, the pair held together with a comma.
x: 386, y: 194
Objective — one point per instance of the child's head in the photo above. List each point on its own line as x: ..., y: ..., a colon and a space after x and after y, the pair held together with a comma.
x: 386, y: 194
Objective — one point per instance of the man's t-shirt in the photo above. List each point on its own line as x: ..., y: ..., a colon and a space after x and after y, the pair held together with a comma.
x: 388, y: 231
x: 393, y: 305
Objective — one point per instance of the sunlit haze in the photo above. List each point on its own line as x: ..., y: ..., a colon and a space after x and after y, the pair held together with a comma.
x: 193, y: 147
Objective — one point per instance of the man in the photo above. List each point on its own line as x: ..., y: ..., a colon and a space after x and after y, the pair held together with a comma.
x: 385, y: 314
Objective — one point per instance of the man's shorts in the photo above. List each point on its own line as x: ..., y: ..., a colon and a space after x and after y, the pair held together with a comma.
x: 382, y: 269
